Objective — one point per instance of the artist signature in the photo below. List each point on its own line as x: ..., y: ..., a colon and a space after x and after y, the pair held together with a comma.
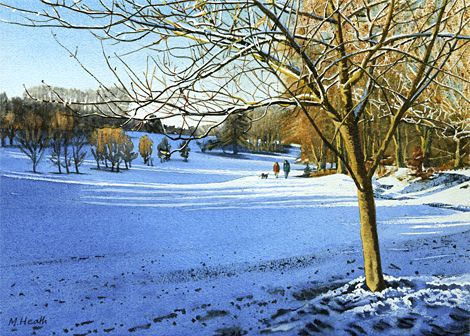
x: 25, y: 320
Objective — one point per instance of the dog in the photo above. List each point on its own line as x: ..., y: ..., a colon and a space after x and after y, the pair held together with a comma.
x: 264, y: 175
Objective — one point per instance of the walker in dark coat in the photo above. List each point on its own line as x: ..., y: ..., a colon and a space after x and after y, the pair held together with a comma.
x: 286, y: 168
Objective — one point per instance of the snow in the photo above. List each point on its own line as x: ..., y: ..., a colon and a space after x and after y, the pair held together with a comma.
x: 206, y: 247
x: 410, y: 306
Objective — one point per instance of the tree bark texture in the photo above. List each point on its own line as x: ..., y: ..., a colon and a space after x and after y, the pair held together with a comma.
x: 369, y: 236
x: 458, y: 158
x: 341, y: 168
x: 323, y: 156
x: 366, y: 139
x: 370, y: 239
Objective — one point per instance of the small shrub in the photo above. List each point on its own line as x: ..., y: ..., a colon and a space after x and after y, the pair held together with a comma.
x: 202, y: 146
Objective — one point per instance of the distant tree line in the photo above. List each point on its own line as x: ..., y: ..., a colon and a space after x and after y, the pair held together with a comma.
x: 255, y: 131
x: 415, y: 144
x: 15, y: 113
x: 37, y: 125
x: 44, y: 126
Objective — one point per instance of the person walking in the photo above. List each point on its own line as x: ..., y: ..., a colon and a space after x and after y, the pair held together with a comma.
x: 286, y: 168
x: 276, y: 169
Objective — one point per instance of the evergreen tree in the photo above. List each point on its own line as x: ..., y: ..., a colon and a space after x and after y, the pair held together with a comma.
x: 184, y: 151
x: 164, y: 150
x: 234, y: 132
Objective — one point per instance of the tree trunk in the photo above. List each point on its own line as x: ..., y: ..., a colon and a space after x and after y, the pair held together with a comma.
x: 332, y: 159
x: 370, y: 239
x: 341, y: 168
x: 315, y: 158
x: 234, y: 147
x: 426, y: 140
x: 58, y: 162
x: 323, y: 155
x: 67, y: 164
x: 369, y: 236
x: 11, y: 135
x: 399, y: 158
x: 366, y: 140
x: 458, y: 157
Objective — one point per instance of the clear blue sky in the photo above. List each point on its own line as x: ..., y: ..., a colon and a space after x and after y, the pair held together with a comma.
x: 30, y: 55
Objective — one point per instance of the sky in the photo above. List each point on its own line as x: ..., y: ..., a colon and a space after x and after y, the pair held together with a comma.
x: 30, y: 55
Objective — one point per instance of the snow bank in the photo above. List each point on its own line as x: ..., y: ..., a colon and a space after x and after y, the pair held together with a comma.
x: 409, y: 306
x: 444, y: 190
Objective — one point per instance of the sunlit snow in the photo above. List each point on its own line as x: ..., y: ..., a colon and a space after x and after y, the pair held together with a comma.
x: 206, y: 247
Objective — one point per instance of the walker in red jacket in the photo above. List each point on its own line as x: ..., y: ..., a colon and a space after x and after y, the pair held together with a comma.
x: 276, y: 169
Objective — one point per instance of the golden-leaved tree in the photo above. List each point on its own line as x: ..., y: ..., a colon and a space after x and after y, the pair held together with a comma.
x: 109, y: 144
x: 145, y: 149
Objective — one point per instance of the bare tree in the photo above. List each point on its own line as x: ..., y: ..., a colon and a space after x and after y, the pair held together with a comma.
x: 78, y: 151
x: 127, y: 152
x: 55, y: 150
x: 31, y: 137
x: 66, y: 141
x: 234, y: 56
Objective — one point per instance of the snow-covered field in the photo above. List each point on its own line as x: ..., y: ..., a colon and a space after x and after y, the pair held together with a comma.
x: 206, y: 247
